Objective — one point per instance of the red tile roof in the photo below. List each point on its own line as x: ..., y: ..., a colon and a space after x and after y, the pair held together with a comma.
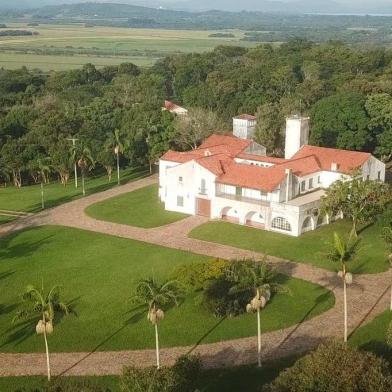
x: 261, y: 158
x: 171, y: 106
x: 347, y: 160
x: 250, y: 176
x: 246, y: 117
x: 217, y: 155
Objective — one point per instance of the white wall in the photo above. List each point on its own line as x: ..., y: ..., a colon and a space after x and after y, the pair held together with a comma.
x: 374, y: 169
x: 163, y: 166
x: 185, y: 181
x: 297, y: 134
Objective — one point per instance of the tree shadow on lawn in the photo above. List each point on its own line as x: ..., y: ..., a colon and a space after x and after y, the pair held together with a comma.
x: 24, y: 329
x: 378, y: 348
x: 138, y: 313
x: 25, y: 249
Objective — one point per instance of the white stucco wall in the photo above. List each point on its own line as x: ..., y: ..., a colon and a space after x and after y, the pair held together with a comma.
x: 184, y: 181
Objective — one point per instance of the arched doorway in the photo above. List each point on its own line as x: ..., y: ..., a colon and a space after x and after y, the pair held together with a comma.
x: 254, y: 219
x: 230, y: 214
x: 307, y: 224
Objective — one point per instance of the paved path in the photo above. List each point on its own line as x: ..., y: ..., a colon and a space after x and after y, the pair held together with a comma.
x: 367, y: 298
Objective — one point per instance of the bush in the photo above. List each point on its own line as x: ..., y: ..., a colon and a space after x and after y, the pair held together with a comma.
x: 194, y: 276
x: 182, y: 377
x: 335, y: 368
x: 389, y: 335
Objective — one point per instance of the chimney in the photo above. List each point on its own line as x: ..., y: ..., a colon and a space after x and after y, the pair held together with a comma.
x: 297, y: 134
x: 289, y: 184
x: 207, y: 153
x: 334, y: 166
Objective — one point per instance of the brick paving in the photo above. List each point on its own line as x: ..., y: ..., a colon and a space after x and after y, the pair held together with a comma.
x: 368, y: 297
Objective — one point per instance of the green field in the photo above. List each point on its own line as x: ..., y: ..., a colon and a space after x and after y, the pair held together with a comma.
x: 28, y: 198
x: 312, y: 247
x: 140, y: 208
x: 6, y: 219
x: 59, y: 47
x: 99, y: 273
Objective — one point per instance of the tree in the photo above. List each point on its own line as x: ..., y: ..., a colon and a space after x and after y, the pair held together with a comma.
x: 340, y: 121
x: 254, y: 276
x: 60, y: 158
x: 342, y: 252
x: 387, y: 236
x: 45, y: 306
x: 196, y: 126
x: 116, y: 144
x: 81, y: 154
x: 335, y: 367
x: 269, y: 128
x: 155, y: 296
x: 357, y: 199
x: 107, y: 160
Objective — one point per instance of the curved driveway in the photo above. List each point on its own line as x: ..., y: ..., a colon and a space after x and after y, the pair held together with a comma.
x: 367, y: 298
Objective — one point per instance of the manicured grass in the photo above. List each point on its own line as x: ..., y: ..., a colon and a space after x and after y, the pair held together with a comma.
x: 140, y: 208
x: 6, y: 219
x: 12, y: 384
x: 28, y: 198
x: 372, y: 336
x: 99, y: 273
x: 311, y: 247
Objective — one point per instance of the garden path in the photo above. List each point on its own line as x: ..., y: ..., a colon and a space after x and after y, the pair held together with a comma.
x: 368, y: 297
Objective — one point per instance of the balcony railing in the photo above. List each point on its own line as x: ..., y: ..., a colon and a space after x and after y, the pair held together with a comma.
x: 243, y: 199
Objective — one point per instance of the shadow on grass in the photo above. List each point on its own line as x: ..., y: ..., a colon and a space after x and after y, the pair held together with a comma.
x: 378, y: 348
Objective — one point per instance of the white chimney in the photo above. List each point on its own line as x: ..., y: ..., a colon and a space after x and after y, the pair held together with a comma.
x: 297, y: 134
x: 334, y: 166
x: 244, y: 126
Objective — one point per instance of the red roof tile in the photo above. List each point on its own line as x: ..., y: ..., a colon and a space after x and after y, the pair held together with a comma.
x: 347, y: 160
x: 171, y: 106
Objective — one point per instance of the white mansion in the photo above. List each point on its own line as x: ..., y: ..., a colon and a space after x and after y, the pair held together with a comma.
x: 230, y: 177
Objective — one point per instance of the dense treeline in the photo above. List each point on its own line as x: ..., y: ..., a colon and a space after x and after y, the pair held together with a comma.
x: 347, y: 92
x: 17, y: 33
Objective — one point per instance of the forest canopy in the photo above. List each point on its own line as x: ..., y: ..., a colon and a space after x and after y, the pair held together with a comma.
x: 346, y: 91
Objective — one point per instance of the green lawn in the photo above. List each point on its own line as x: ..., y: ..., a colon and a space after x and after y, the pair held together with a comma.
x: 99, y: 273
x: 6, y: 219
x: 28, y: 198
x: 311, y: 247
x: 372, y: 336
x: 140, y: 208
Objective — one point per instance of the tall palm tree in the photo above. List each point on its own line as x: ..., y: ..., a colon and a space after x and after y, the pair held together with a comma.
x: 115, y: 144
x: 155, y: 296
x: 257, y: 278
x: 37, y: 303
x: 81, y: 154
x: 43, y: 169
x: 387, y: 236
x: 342, y: 252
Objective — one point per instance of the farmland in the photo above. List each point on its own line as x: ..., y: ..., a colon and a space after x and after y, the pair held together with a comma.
x: 61, y: 47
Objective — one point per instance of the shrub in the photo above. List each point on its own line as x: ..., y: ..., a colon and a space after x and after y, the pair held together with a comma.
x: 335, y: 368
x: 389, y: 335
x: 194, y: 276
x: 182, y: 377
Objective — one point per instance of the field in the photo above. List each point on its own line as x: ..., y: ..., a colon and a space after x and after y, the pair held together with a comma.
x: 59, y: 47
x: 28, y: 198
x: 312, y: 247
x: 99, y: 273
x: 140, y: 208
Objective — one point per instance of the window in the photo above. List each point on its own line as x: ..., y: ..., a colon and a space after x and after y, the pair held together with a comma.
x: 319, y: 179
x: 203, y: 189
x: 180, y: 201
x: 303, y: 186
x: 263, y: 194
x: 281, y: 224
x: 310, y: 183
x: 379, y: 175
x: 180, y: 179
x: 368, y: 177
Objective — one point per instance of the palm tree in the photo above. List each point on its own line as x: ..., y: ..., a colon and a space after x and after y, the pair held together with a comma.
x: 387, y: 236
x: 114, y: 143
x: 81, y: 154
x: 343, y: 252
x: 155, y: 296
x: 257, y: 278
x: 45, y: 306
x: 43, y: 169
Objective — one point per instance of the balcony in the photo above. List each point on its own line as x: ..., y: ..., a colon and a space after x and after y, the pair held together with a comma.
x: 243, y: 199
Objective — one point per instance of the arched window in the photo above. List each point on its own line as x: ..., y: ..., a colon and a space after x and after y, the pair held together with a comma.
x: 281, y: 223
